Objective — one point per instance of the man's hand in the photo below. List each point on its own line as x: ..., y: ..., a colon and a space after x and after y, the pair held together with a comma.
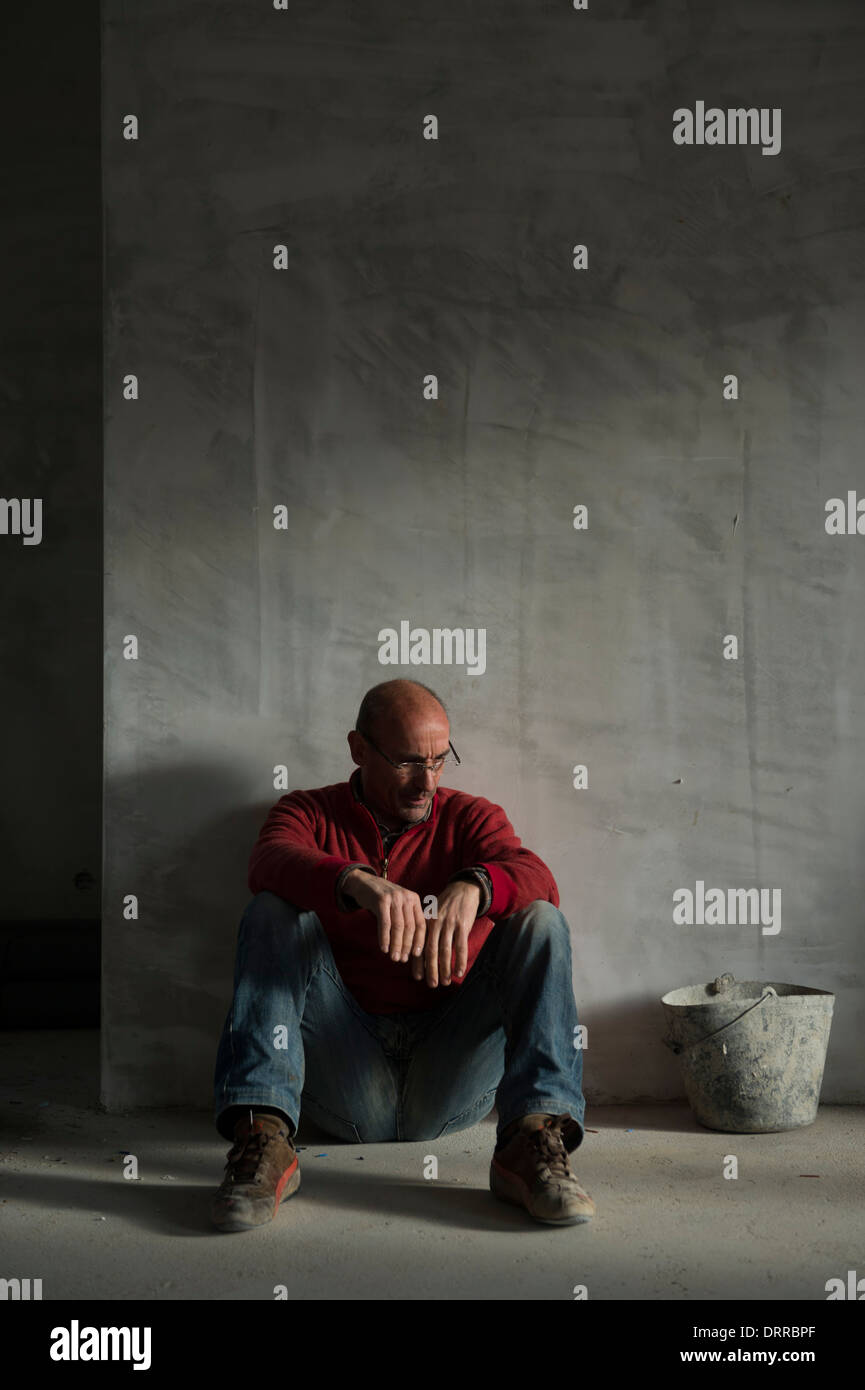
x: 457, y: 909
x: 401, y: 923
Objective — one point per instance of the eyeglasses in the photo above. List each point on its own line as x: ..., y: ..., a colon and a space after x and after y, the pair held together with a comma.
x: 405, y: 769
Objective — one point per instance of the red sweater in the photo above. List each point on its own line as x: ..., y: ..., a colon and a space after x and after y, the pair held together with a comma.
x: 309, y: 837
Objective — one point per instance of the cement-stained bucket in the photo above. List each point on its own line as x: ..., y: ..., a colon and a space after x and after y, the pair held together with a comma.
x: 752, y: 1054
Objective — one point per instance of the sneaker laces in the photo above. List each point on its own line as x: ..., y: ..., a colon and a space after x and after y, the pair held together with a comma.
x: 551, y: 1148
x: 245, y: 1156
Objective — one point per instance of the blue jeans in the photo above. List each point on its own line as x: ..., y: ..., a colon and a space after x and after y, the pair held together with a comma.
x: 505, y: 1036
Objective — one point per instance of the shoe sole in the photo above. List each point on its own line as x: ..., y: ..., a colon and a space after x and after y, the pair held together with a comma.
x: 508, y: 1189
x: 286, y: 1188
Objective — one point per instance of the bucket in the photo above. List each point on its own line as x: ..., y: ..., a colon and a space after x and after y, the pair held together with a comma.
x: 752, y: 1054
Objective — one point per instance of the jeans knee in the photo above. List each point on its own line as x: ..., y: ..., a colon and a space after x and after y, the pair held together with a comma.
x: 541, y: 916
x: 283, y: 931
x: 268, y: 911
x: 266, y: 905
x: 542, y: 931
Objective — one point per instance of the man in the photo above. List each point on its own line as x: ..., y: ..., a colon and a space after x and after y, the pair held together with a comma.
x: 383, y: 1023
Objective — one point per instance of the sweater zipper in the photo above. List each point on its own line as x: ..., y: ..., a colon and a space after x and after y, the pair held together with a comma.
x: 384, y: 857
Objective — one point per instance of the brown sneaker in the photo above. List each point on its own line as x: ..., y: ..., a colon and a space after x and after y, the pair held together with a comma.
x: 532, y: 1170
x: 262, y: 1169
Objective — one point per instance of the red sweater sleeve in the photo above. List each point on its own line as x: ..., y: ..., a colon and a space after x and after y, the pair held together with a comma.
x: 287, y: 860
x: 518, y: 876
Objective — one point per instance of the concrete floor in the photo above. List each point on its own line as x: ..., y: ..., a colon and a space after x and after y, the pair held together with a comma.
x: 366, y: 1224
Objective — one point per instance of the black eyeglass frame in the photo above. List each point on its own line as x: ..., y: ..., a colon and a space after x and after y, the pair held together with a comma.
x: 410, y: 763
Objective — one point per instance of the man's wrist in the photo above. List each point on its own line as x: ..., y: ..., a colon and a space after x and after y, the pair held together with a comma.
x: 344, y: 901
x: 479, y: 876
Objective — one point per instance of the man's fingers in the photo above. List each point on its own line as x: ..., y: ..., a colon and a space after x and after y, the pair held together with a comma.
x: 431, y: 953
x: 436, y: 947
x: 401, y: 923
x: 444, y: 954
x: 413, y: 941
x: 461, y: 958
x: 398, y: 925
x: 407, y: 924
x: 384, y: 924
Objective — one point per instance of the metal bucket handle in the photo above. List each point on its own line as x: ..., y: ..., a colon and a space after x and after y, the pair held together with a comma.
x: 720, y: 984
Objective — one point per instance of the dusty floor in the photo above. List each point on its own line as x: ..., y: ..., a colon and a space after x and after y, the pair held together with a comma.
x: 367, y: 1224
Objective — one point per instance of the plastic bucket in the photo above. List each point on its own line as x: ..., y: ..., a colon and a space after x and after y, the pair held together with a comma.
x: 752, y: 1054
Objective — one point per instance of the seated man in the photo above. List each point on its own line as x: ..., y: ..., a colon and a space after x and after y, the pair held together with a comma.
x: 380, y: 1022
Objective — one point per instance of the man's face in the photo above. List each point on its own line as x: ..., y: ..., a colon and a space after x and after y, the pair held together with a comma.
x: 399, y: 797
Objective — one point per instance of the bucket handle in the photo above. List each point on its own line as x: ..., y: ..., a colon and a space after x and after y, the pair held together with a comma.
x: 674, y: 1046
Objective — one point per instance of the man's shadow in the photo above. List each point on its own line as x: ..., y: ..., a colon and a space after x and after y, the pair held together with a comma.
x: 180, y: 841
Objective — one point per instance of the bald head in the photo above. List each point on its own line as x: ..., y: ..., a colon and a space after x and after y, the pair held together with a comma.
x: 397, y: 702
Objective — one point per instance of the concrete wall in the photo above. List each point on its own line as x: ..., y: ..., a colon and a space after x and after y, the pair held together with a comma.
x: 557, y: 387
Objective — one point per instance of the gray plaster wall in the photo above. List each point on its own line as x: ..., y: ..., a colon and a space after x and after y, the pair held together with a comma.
x: 557, y: 387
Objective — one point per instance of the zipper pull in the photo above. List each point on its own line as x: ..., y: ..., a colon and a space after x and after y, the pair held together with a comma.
x: 384, y: 868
